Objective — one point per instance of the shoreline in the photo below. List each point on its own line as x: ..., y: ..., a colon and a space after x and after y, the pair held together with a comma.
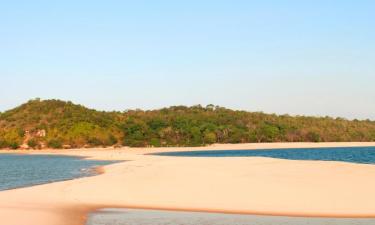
x: 150, y: 217
x: 87, y: 153
x: 146, y: 182
x: 254, y: 213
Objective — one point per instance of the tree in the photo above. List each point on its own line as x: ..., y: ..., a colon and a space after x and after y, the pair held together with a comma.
x: 210, y: 137
x: 313, y: 136
x: 69, y: 124
x: 268, y: 133
x: 32, y: 143
x: 55, y: 143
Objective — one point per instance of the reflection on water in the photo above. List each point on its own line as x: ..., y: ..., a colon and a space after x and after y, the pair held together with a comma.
x: 153, y: 217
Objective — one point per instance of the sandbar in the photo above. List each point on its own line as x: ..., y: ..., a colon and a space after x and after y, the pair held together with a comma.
x: 243, y: 185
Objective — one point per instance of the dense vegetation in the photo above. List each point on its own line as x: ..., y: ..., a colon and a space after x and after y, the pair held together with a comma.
x: 59, y: 124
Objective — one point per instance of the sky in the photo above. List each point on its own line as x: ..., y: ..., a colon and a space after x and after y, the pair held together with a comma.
x: 312, y: 57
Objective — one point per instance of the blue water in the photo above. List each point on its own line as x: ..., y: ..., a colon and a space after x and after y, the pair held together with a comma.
x: 365, y: 155
x: 27, y: 170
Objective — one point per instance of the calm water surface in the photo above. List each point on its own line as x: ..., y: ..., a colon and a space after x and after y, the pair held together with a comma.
x: 27, y: 170
x: 152, y: 217
x: 364, y: 155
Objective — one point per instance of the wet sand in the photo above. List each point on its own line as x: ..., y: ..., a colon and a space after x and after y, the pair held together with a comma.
x: 154, y: 217
x: 261, y: 186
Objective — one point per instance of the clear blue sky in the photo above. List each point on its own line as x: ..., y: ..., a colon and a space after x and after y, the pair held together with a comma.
x: 313, y: 57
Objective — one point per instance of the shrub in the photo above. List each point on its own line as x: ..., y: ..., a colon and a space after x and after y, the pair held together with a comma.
x: 313, y: 136
x: 210, y: 137
x: 54, y: 143
x: 3, y: 144
x: 14, y: 145
x: 95, y: 142
x: 155, y: 142
x: 112, y: 140
x: 32, y: 143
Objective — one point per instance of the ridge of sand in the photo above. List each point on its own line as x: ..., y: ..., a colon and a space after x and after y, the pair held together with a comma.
x: 237, y: 185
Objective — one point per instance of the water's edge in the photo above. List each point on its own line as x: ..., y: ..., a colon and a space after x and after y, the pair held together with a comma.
x: 27, y: 170
x: 159, y: 217
x: 362, y: 155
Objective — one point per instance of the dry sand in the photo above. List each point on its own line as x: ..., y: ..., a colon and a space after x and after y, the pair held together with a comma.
x: 236, y: 185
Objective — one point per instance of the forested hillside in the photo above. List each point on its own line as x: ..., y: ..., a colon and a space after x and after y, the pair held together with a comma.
x: 59, y: 124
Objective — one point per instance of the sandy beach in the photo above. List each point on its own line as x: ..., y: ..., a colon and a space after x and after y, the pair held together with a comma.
x: 259, y: 185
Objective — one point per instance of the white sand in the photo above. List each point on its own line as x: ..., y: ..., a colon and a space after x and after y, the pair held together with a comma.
x: 238, y: 185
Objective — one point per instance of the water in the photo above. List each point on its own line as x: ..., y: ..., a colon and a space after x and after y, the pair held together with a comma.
x: 365, y: 155
x: 153, y: 217
x: 27, y: 170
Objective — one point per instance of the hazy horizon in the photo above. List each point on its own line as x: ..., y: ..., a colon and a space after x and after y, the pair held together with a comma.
x: 291, y: 57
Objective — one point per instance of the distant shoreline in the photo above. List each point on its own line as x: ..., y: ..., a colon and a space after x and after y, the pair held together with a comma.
x: 41, y: 124
x: 216, y: 146
x: 233, y: 185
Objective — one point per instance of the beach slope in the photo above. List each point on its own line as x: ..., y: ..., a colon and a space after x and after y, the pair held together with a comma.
x: 235, y: 185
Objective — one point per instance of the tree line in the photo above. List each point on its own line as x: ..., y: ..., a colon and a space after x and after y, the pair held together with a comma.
x: 67, y: 125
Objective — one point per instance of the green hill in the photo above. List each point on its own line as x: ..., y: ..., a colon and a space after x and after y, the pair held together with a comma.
x: 59, y: 124
x: 56, y: 123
